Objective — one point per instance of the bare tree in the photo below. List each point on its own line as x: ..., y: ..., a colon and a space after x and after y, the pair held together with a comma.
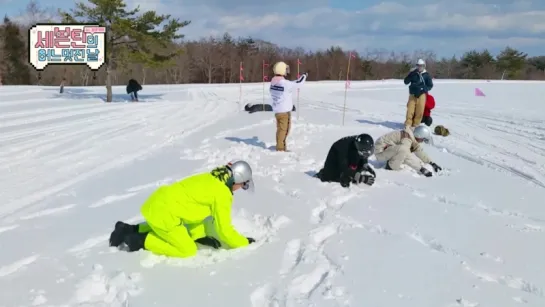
x: 206, y: 56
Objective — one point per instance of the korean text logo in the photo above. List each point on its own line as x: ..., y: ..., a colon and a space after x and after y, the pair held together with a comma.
x: 73, y: 44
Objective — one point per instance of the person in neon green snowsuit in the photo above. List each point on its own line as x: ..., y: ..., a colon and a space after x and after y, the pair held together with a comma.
x: 175, y: 214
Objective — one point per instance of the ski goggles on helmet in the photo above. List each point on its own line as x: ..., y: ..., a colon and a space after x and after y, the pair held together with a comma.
x: 364, y: 150
x: 365, y: 153
x: 424, y: 140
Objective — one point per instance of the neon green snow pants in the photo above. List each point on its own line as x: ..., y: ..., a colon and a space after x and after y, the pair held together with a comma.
x: 175, y: 242
x: 166, y: 234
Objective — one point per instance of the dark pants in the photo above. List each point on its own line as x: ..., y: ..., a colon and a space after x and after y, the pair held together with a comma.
x: 427, y: 120
x: 134, y: 95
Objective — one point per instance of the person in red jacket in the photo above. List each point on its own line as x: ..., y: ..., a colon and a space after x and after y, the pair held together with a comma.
x: 430, y: 104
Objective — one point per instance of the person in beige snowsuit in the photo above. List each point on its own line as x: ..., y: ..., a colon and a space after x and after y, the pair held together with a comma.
x: 403, y: 147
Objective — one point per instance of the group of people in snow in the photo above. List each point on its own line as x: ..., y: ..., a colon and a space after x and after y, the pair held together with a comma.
x: 197, y: 209
x: 348, y: 158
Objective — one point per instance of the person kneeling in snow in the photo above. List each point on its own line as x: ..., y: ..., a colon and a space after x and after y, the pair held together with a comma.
x: 347, y: 161
x: 174, y: 214
x: 397, y: 148
x: 430, y: 104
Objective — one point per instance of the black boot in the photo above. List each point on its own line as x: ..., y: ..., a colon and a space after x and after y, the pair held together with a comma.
x: 209, y: 241
x: 120, y: 231
x: 135, y: 241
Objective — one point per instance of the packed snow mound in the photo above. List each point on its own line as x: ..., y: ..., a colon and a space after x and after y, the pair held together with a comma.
x: 72, y: 165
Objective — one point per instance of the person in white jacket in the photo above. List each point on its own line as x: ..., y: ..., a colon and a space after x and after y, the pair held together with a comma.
x: 403, y: 147
x: 281, y: 91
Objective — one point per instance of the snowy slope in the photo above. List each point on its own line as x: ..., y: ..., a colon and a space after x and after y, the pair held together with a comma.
x: 70, y: 166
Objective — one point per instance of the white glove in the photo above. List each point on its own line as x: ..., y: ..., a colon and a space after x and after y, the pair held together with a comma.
x: 361, y: 177
x: 357, y: 177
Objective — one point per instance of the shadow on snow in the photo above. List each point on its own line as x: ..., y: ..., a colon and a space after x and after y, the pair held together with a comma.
x: 81, y: 93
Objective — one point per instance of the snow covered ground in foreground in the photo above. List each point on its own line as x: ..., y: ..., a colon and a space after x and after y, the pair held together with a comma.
x: 71, y: 165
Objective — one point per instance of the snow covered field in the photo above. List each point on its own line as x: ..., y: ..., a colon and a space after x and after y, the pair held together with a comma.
x: 70, y: 166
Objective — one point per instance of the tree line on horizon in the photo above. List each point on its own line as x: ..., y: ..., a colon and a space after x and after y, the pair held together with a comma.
x: 136, y: 49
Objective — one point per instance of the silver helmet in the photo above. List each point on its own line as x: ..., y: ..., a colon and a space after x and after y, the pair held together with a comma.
x: 423, y: 132
x: 242, y: 174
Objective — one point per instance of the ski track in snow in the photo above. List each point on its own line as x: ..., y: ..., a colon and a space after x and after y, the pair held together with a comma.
x: 73, y: 165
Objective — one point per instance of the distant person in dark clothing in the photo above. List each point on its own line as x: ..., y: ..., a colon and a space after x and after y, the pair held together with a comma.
x: 420, y: 82
x: 347, y: 161
x: 132, y: 88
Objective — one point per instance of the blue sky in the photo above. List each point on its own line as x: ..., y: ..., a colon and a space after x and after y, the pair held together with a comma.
x: 446, y: 27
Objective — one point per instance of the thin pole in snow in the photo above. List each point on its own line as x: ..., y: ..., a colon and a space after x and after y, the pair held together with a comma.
x: 347, y: 83
x: 298, y: 75
x: 240, y: 79
x: 264, y: 80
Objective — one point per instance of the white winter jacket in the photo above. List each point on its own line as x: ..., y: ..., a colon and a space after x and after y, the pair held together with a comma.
x: 281, y: 91
x: 401, y: 138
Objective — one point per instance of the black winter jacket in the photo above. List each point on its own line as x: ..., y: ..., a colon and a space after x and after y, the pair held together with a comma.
x: 420, y: 83
x: 133, y: 86
x: 342, y: 158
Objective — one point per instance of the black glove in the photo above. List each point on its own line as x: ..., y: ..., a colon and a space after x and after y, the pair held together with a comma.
x: 345, y: 180
x: 250, y: 240
x: 436, y: 167
x: 209, y: 241
x: 361, y: 178
x: 424, y: 171
x: 370, y: 170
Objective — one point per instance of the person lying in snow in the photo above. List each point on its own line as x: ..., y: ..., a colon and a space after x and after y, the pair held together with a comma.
x: 132, y: 88
x: 404, y: 147
x: 347, y: 161
x: 174, y: 214
x: 430, y: 104
x: 261, y: 107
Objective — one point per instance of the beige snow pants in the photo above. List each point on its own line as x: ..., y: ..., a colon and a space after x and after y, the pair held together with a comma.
x: 397, y: 155
x: 415, y: 110
x: 283, y: 125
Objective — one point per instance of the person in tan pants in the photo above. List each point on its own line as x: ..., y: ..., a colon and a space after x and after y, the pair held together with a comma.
x: 281, y: 91
x: 420, y: 82
x: 415, y: 110
x: 283, y: 126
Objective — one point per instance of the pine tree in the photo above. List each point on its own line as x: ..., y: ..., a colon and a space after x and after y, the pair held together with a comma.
x: 511, y: 62
x: 538, y: 63
x: 130, y: 37
x: 16, y: 71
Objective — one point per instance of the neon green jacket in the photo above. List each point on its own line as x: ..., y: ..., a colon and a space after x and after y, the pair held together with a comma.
x: 192, y: 200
